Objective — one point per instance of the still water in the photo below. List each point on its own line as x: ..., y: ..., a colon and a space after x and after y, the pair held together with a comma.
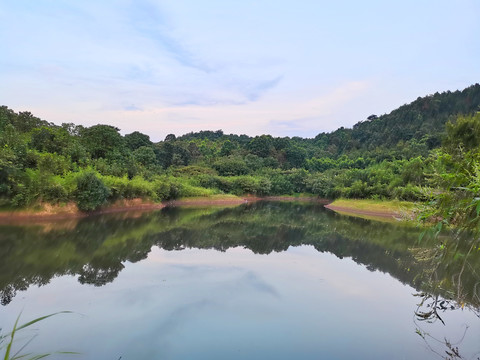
x: 269, y: 280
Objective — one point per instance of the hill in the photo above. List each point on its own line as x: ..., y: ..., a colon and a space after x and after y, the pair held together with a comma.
x: 384, y: 156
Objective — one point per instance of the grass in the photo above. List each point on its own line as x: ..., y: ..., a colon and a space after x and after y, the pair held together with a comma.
x: 381, y: 206
x: 7, y: 341
x: 378, y: 210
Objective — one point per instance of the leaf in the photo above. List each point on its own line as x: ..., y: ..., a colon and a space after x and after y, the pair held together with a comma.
x: 16, y: 328
x: 422, y: 235
x: 41, y: 318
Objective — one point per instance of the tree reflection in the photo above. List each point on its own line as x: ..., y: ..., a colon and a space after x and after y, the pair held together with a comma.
x: 453, y: 273
x: 428, y: 312
x: 95, y: 249
x: 100, y: 275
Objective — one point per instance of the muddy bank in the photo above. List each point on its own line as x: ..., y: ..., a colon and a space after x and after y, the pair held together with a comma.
x: 70, y: 211
x: 48, y: 212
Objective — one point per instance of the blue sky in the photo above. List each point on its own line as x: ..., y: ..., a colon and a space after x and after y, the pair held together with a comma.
x: 248, y: 67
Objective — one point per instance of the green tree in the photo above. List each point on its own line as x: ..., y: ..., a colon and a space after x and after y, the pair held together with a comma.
x: 261, y: 145
x: 145, y: 155
x: 296, y: 156
x: 463, y: 135
x: 91, y: 192
x: 101, y: 141
x: 230, y: 166
x: 227, y: 148
x: 170, y: 138
x: 457, y: 174
x: 136, y: 140
x: 50, y: 139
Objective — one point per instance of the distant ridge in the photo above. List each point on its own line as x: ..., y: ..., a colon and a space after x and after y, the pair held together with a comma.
x: 423, y: 120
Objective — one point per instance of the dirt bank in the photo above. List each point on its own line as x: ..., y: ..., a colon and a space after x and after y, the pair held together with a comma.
x: 70, y: 211
x: 48, y: 212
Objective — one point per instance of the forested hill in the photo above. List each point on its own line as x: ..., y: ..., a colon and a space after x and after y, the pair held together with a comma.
x: 420, y: 124
x: 385, y: 156
x: 423, y: 120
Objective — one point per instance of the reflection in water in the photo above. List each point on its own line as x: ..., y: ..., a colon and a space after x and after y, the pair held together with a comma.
x: 96, y: 250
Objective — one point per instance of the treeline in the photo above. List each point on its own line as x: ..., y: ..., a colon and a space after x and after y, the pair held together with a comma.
x: 391, y: 156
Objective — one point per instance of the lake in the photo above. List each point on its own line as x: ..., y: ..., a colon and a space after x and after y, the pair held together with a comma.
x: 265, y: 280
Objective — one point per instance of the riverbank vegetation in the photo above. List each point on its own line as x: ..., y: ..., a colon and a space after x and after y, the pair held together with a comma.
x: 426, y: 150
x: 397, y: 209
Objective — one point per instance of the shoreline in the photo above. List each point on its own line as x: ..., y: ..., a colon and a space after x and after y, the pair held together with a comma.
x: 352, y: 211
x: 349, y: 207
x: 383, y: 210
x: 70, y: 210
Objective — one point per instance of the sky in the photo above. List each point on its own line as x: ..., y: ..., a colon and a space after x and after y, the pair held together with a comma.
x: 285, y: 68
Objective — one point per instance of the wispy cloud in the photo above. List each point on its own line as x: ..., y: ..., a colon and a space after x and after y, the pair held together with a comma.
x: 256, y: 91
x: 246, y: 67
x: 149, y: 20
x: 132, y: 107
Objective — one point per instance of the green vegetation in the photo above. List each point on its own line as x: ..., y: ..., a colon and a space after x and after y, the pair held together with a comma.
x: 379, y: 206
x: 7, y: 341
x: 95, y: 249
x: 393, y: 156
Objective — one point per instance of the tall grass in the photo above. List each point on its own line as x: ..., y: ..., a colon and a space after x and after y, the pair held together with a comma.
x: 7, y: 341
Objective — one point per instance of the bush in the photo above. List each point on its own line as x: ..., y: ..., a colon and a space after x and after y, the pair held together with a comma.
x: 91, y: 191
x: 409, y: 193
x: 358, y: 190
x: 208, y: 181
x: 230, y: 166
x: 298, y: 178
x: 123, y: 188
x: 264, y: 187
x: 281, y: 185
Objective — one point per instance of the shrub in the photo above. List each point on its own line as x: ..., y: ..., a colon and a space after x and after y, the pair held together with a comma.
x: 162, y: 189
x: 281, y: 185
x: 230, y: 166
x: 409, y: 193
x: 264, y: 186
x: 91, y: 191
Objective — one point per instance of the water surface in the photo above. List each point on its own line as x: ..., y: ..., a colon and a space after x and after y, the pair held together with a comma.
x: 264, y: 280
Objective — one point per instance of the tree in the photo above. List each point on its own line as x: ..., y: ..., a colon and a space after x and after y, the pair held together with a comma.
x: 227, y: 148
x: 230, y: 166
x: 457, y: 170
x: 145, y: 156
x: 25, y: 121
x: 296, y: 156
x: 260, y: 145
x: 49, y: 139
x: 102, y: 140
x: 91, y: 192
x: 136, y: 140
x: 463, y: 135
x: 170, y: 137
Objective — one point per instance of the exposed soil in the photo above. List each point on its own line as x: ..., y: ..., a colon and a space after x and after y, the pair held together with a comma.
x: 70, y: 211
x: 50, y: 212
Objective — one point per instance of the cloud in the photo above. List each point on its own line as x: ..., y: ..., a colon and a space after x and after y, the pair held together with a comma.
x: 246, y: 67
x: 256, y: 282
x: 151, y: 22
x: 304, y: 117
x: 132, y: 107
x: 254, y: 93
